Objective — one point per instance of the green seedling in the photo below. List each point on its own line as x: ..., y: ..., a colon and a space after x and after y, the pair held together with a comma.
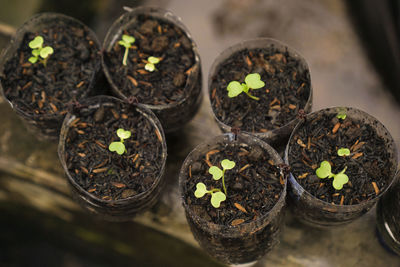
x: 341, y: 115
x: 252, y: 81
x: 217, y: 196
x: 151, y: 61
x: 119, y: 146
x: 217, y: 173
x: 343, y: 152
x: 126, y: 42
x: 325, y: 171
x: 38, y: 51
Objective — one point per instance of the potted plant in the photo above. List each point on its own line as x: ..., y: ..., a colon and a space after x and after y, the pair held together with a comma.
x: 233, y: 193
x: 149, y: 54
x: 342, y: 161
x: 388, y: 217
x: 51, y: 61
x: 260, y: 86
x: 114, y: 155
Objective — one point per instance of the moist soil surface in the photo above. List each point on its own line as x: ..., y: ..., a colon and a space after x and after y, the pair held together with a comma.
x: 253, y: 186
x: 67, y: 76
x: 155, y: 38
x: 105, y: 174
x: 286, y: 90
x: 368, y: 165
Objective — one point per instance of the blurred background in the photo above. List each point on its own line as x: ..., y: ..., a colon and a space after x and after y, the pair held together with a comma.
x: 353, y: 51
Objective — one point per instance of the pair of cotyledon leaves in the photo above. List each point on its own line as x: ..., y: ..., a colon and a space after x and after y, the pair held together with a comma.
x: 118, y: 146
x: 252, y: 81
x: 325, y: 171
x: 38, y: 50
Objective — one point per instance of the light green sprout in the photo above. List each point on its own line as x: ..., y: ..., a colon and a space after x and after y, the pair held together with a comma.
x: 343, y: 152
x: 151, y: 61
x: 38, y: 51
x: 217, y: 196
x: 252, y: 81
x: 119, y: 146
x: 342, y: 114
x: 325, y: 171
x: 126, y: 42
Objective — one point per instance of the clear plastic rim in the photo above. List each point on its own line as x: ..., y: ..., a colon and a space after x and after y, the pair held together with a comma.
x: 14, y: 41
x: 345, y: 208
x: 228, y: 230
x: 162, y: 14
x: 61, y: 150
x: 252, y: 44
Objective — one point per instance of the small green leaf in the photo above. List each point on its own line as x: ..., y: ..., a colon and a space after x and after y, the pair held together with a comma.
x: 33, y: 60
x: 217, y: 198
x: 124, y: 44
x: 341, y: 115
x: 128, y: 39
x: 118, y: 147
x: 150, y: 67
x: 123, y: 134
x: 324, y: 170
x: 343, y: 152
x: 153, y: 60
x: 201, y: 190
x: 36, y: 52
x: 37, y: 42
x: 46, y: 51
x: 234, y: 89
x: 253, y: 81
x: 215, y: 172
x: 339, y: 180
x: 227, y: 164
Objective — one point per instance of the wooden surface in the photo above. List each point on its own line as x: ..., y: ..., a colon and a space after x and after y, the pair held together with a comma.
x: 33, y: 187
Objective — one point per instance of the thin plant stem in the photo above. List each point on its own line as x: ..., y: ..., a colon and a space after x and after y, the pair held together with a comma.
x: 223, y: 182
x: 251, y: 96
x: 125, y: 56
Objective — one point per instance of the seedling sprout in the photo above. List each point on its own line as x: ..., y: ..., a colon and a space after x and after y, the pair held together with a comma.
x: 325, y: 171
x: 126, y: 42
x: 252, y: 81
x: 217, y: 196
x: 38, y: 51
x: 343, y: 152
x: 118, y: 146
x: 151, y: 61
x: 341, y: 115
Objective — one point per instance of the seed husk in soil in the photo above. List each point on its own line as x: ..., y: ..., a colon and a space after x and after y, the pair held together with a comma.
x: 158, y: 38
x: 105, y: 174
x: 68, y: 75
x: 253, y: 186
x: 286, y: 90
x: 369, y: 165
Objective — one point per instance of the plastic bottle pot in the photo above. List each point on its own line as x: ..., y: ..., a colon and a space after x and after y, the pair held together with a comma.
x: 313, y: 211
x: 276, y: 137
x: 119, y: 209
x: 45, y: 126
x: 172, y: 116
x: 388, y: 216
x: 241, y: 243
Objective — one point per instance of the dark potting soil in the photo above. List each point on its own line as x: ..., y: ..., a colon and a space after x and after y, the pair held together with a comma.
x: 39, y: 89
x: 156, y: 38
x: 368, y: 165
x: 253, y: 186
x: 106, y: 174
x: 286, y: 90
